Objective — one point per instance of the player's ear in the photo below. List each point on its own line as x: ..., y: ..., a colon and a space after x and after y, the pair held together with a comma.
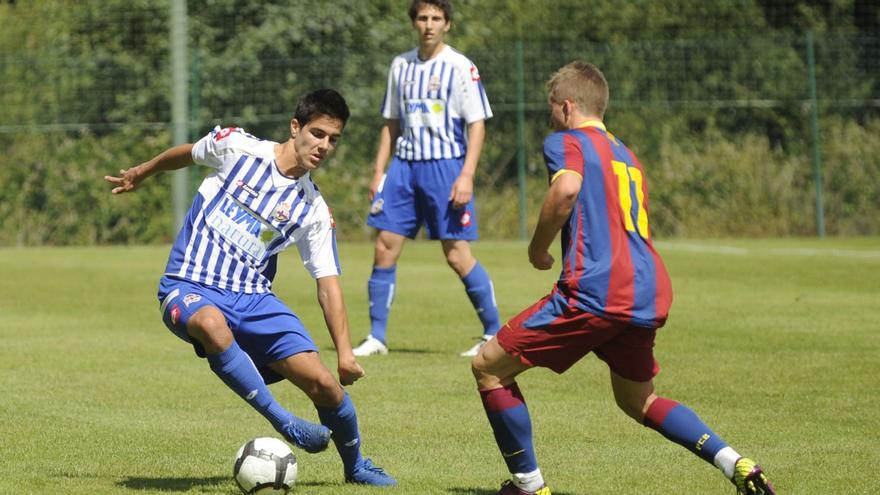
x: 294, y: 128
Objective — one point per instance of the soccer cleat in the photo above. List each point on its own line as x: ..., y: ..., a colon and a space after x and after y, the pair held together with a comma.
x: 473, y: 351
x: 308, y: 436
x: 370, y: 346
x: 508, y: 488
x: 749, y: 478
x: 365, y: 473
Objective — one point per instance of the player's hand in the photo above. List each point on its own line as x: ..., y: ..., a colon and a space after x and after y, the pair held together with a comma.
x: 127, y: 181
x: 541, y: 259
x: 349, y: 371
x: 462, y: 191
x: 375, y: 184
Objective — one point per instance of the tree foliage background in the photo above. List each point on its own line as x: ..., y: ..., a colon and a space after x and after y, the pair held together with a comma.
x: 713, y: 97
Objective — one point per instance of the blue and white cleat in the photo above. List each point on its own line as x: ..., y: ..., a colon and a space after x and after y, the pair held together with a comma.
x: 308, y: 436
x: 749, y: 478
x: 365, y: 473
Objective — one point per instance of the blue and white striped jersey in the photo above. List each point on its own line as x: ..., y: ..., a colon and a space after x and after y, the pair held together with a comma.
x: 434, y: 100
x: 245, y: 213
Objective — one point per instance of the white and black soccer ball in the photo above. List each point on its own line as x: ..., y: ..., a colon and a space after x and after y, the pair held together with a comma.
x: 265, y: 465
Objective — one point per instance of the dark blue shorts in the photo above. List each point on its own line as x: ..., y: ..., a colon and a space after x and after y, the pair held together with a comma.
x: 417, y: 192
x: 261, y: 324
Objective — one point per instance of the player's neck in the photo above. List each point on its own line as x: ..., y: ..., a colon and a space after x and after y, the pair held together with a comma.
x: 285, y: 159
x: 428, y: 52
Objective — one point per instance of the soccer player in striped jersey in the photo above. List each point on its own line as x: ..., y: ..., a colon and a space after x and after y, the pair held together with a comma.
x: 611, y: 297
x: 434, y: 110
x: 216, y: 292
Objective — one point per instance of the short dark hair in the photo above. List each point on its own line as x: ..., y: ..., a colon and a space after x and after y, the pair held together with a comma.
x: 321, y: 102
x: 444, y: 5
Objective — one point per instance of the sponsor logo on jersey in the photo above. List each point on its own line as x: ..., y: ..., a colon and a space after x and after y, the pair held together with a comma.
x: 282, y: 212
x: 175, y: 314
x: 424, y: 106
x: 248, y: 189
x: 376, y: 207
x: 475, y: 74
x: 465, y: 219
x: 242, y: 227
x: 191, y: 298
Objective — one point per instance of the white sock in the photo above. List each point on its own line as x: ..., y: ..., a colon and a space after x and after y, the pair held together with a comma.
x: 725, y: 460
x: 530, y: 482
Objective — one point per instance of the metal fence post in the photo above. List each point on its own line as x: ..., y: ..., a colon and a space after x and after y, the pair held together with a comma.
x: 814, y: 124
x: 521, y: 137
x: 179, y: 108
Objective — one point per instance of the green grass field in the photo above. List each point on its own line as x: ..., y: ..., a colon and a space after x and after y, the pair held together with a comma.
x: 774, y: 343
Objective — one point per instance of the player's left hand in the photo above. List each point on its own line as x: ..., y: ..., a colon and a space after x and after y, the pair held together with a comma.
x: 462, y: 191
x: 350, y: 371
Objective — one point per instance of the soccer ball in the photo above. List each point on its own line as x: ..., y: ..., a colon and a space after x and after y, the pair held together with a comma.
x: 264, y: 465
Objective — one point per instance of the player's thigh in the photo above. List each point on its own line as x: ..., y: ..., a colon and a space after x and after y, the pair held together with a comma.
x: 394, y: 206
x: 308, y: 373
x: 433, y: 182
x: 197, y: 314
x: 630, y: 354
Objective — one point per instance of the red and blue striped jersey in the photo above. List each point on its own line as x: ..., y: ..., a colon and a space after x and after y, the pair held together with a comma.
x: 610, y: 267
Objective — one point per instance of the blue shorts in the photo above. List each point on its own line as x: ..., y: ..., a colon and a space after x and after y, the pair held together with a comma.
x: 416, y: 193
x: 261, y: 324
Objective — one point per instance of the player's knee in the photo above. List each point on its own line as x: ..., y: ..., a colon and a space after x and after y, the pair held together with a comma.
x: 325, y: 391
x: 485, y: 379
x: 632, y: 406
x: 208, y: 326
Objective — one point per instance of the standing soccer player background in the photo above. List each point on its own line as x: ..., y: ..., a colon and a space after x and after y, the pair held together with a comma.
x: 216, y: 290
x: 434, y: 110
x: 611, y: 297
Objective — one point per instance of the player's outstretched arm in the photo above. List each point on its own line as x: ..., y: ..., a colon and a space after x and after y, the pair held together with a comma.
x: 554, y: 213
x: 387, y: 137
x: 171, y: 159
x: 463, y: 187
x: 333, y: 305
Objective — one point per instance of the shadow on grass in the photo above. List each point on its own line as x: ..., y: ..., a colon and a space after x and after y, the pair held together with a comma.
x: 188, y: 484
x: 395, y: 350
x: 483, y: 491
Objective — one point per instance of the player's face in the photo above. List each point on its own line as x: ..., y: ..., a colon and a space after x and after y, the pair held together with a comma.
x: 315, y: 141
x: 431, y: 24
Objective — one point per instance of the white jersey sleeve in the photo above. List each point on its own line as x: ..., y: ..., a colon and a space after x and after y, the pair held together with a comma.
x: 317, y: 243
x: 391, y: 102
x: 469, y: 97
x: 214, y: 149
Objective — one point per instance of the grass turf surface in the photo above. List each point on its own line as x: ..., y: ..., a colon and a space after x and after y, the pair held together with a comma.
x: 773, y: 343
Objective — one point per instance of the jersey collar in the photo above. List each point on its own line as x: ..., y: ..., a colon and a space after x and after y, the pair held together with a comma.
x: 592, y: 123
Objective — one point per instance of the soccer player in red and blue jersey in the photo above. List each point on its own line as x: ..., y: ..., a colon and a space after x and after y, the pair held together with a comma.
x: 611, y: 297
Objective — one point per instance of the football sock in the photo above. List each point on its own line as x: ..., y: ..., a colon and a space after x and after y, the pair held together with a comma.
x: 482, y: 295
x: 681, y: 425
x: 238, y: 372
x: 530, y: 482
x: 342, y: 421
x: 725, y: 460
x: 380, y: 289
x: 509, y: 417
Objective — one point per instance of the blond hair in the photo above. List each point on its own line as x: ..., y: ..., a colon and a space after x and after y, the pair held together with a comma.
x: 581, y: 83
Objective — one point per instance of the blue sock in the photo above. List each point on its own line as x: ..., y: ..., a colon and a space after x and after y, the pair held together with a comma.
x: 681, y: 425
x: 380, y: 289
x: 482, y: 294
x: 509, y: 417
x: 238, y: 372
x: 342, y: 420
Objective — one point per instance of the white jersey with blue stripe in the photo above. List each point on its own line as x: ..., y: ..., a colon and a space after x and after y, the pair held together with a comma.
x: 434, y: 100
x: 245, y: 213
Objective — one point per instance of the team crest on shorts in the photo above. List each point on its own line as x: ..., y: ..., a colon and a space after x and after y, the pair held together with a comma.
x: 282, y: 212
x: 191, y: 298
x: 376, y: 207
x: 465, y: 219
x: 175, y: 314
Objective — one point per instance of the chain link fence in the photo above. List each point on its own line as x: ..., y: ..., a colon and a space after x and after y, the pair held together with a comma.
x: 742, y: 133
